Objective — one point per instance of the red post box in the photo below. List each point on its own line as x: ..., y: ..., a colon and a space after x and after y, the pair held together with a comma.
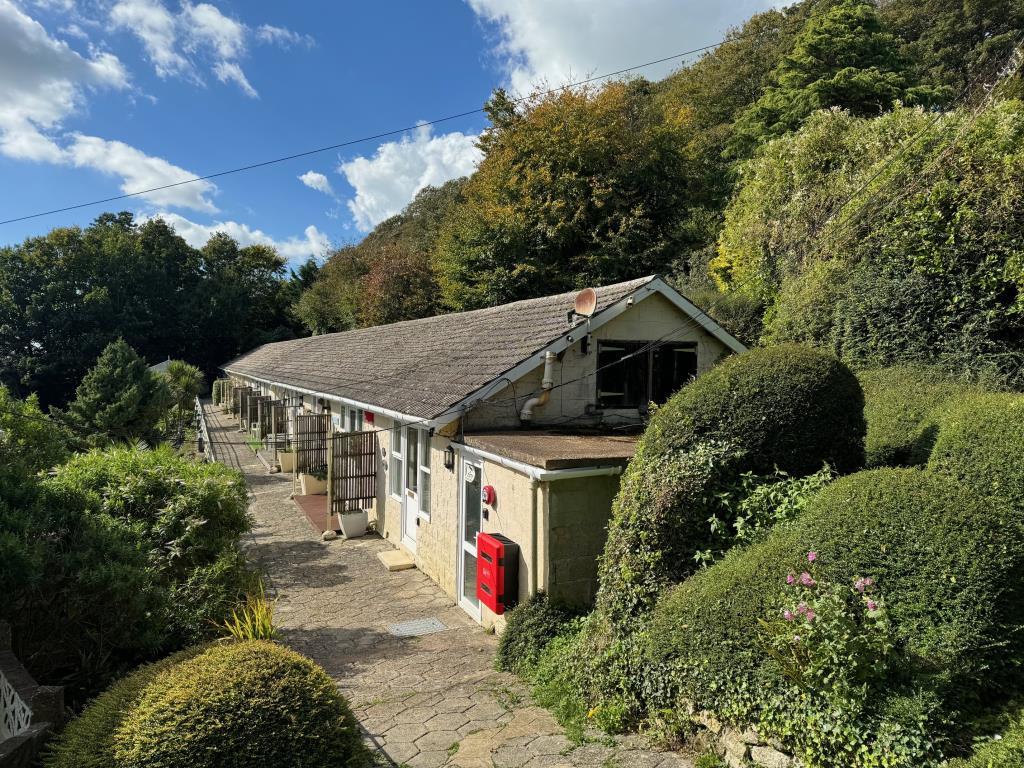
x: 497, y: 571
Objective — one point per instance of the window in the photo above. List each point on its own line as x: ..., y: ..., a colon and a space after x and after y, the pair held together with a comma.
x: 355, y: 420
x: 412, y: 461
x: 631, y: 375
x: 424, y: 472
x: 395, y: 463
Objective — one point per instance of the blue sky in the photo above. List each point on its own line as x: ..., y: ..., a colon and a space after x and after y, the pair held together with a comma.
x: 102, y: 97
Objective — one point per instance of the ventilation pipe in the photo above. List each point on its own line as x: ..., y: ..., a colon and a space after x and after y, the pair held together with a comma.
x: 547, y: 382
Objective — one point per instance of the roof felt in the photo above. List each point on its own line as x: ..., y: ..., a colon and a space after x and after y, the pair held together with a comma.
x: 421, y: 367
x: 555, y: 450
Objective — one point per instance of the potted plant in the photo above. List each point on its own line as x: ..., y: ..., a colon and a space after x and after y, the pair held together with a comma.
x: 353, y: 523
x: 313, y: 483
x: 286, y: 458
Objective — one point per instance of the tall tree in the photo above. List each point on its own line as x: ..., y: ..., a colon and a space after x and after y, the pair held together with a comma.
x: 119, y: 399
x: 843, y: 57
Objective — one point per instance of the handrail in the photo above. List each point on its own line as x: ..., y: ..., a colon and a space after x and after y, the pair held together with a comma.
x: 203, y: 432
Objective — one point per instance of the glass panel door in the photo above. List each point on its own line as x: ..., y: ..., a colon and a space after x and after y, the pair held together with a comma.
x: 471, y: 507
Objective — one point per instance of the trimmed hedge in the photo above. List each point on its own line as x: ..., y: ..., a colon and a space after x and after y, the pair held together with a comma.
x: 788, y: 408
x: 949, y: 565
x: 241, y: 705
x: 88, y: 740
x: 981, y: 444
x: 901, y: 405
x: 529, y: 627
x: 1005, y: 752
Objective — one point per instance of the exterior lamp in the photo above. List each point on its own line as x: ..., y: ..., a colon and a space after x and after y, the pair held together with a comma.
x: 449, y: 457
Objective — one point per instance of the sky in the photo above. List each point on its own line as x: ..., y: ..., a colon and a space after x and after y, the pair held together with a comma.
x: 105, y: 97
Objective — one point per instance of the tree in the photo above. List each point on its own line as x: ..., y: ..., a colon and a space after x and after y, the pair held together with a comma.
x: 185, y: 382
x: 577, y: 187
x: 843, y: 58
x: 119, y: 399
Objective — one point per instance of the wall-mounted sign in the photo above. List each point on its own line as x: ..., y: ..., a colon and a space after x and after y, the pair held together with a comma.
x: 470, y: 473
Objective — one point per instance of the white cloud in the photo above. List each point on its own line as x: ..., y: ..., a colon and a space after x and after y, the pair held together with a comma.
x: 156, y: 27
x: 205, y: 25
x: 558, y: 41
x: 317, y: 181
x: 140, y: 171
x: 268, y: 33
x: 42, y: 82
x: 73, y: 30
x: 313, y: 242
x: 229, y: 71
x: 386, y: 182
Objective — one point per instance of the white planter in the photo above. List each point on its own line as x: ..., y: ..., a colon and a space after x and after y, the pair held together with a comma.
x: 287, y: 460
x: 311, y: 486
x: 353, y: 524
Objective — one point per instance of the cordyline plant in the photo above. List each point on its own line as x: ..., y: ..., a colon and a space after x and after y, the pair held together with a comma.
x: 253, y: 620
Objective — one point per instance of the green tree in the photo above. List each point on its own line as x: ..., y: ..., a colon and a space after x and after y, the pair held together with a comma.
x: 119, y: 399
x: 185, y: 382
x: 843, y: 58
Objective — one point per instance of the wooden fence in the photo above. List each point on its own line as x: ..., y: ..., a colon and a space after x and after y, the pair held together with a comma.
x: 311, y: 442
x: 352, y: 475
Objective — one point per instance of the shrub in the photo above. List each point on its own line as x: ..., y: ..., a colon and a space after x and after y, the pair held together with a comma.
x: 241, y: 705
x: 787, y: 408
x: 88, y: 740
x: 206, y: 596
x: 790, y: 407
x: 530, y: 626
x: 253, y: 619
x: 898, y: 406
x: 1006, y: 751
x: 950, y: 567
x: 980, y: 443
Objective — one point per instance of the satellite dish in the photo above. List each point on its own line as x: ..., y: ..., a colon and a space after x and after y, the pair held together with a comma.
x: 586, y: 302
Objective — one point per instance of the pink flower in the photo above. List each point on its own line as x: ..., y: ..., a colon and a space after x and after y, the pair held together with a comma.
x: 810, y: 615
x: 812, y: 556
x: 790, y: 579
x: 788, y: 615
x: 802, y: 609
x: 872, y: 605
x: 806, y: 580
x: 796, y: 638
x: 859, y: 585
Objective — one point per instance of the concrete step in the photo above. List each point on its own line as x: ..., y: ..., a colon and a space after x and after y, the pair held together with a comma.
x: 396, y: 560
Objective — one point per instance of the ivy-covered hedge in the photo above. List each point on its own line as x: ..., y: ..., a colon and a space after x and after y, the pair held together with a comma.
x: 252, y: 704
x: 980, y: 443
x: 901, y: 406
x: 1003, y: 750
x: 949, y: 566
x: 529, y: 627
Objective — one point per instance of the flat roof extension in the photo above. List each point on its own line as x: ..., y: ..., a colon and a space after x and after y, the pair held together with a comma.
x: 555, y: 450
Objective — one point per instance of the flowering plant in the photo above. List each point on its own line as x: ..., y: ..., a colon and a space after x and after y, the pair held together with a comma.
x: 830, y: 640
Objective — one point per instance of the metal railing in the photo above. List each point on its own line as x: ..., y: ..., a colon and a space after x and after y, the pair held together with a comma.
x: 203, y: 443
x: 15, y: 715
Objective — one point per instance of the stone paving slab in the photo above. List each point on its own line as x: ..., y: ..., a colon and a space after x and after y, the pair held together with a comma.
x: 423, y: 702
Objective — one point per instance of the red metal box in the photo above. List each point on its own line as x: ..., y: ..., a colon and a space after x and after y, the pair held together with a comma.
x: 497, y: 571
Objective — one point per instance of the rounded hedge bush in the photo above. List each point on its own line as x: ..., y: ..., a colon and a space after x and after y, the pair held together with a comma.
x: 790, y: 407
x: 901, y: 406
x: 88, y: 740
x: 980, y: 443
x: 529, y: 627
x: 252, y: 704
x: 948, y: 564
x: 1005, y: 752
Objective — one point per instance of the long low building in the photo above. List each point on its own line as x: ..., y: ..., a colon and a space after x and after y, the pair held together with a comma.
x: 501, y: 429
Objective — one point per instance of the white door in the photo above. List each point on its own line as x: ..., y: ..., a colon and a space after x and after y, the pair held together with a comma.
x: 410, y: 497
x: 469, y: 526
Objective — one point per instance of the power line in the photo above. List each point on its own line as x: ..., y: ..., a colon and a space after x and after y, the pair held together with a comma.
x: 360, y: 140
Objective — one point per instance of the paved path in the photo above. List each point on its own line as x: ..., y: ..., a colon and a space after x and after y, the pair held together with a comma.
x: 427, y: 701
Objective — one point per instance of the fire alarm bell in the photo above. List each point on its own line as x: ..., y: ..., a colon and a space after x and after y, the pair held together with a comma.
x: 488, y: 495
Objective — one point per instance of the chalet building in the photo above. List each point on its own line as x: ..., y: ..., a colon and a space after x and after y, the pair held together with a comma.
x: 491, y: 431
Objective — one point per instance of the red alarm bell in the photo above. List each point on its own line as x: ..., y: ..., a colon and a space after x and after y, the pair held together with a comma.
x: 488, y: 495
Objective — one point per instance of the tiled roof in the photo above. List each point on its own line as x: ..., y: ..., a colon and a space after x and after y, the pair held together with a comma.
x: 421, y: 367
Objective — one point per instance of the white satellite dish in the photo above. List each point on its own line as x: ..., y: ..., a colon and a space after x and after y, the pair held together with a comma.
x: 586, y: 302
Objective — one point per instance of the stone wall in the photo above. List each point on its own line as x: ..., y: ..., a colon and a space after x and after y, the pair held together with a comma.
x: 741, y: 748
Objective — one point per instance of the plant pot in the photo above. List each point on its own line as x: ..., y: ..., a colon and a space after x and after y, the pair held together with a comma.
x: 353, y: 524
x: 286, y: 459
x: 311, y: 486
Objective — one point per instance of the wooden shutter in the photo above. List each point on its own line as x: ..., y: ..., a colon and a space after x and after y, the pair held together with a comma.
x: 353, y: 471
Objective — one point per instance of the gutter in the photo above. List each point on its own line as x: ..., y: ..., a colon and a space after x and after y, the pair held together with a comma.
x: 397, y: 416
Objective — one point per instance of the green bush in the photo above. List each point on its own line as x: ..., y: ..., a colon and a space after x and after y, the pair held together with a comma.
x: 981, y: 444
x: 788, y: 408
x: 187, y: 511
x: 1007, y: 751
x: 88, y: 740
x: 899, y: 404
x: 241, y: 705
x: 529, y: 627
x: 950, y: 567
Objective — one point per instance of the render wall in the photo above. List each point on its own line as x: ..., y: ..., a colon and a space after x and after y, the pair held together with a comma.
x: 652, y: 318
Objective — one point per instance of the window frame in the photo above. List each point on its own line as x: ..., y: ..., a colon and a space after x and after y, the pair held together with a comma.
x: 646, y: 361
x: 396, y: 464
x: 423, y: 474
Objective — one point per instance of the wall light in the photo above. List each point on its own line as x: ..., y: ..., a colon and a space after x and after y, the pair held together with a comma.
x: 449, y: 457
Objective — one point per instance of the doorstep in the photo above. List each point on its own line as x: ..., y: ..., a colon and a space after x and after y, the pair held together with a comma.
x: 396, y: 560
